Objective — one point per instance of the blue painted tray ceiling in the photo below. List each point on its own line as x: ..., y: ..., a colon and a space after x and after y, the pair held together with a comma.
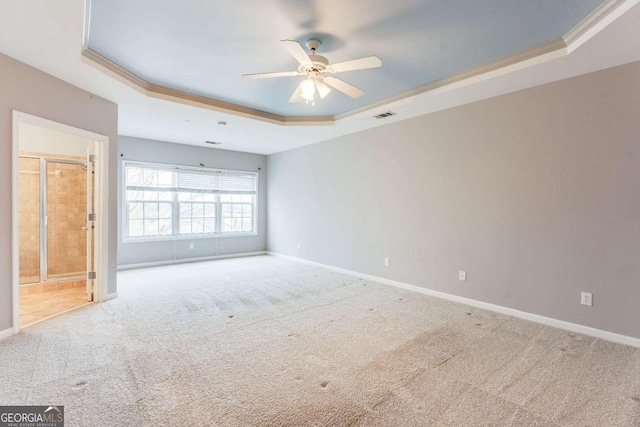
x: 204, y: 47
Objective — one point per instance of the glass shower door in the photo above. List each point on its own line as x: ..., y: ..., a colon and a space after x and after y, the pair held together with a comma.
x: 66, y: 210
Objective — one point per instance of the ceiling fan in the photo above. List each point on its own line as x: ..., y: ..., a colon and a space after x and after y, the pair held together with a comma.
x: 316, y: 68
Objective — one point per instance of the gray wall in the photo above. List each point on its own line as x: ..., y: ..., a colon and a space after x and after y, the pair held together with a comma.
x: 164, y: 152
x: 535, y: 194
x: 31, y: 91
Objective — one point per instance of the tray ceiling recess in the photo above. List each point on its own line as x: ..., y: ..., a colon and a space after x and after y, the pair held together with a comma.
x: 196, y: 53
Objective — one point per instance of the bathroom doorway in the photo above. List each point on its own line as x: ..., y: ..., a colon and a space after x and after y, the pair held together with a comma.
x: 53, y: 236
x: 56, y: 220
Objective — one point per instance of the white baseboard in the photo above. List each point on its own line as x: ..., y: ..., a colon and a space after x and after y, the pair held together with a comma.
x: 188, y: 260
x: 110, y: 296
x: 6, y: 333
x: 556, y: 323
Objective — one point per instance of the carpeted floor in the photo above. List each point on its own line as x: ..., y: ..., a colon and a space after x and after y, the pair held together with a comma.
x: 268, y: 342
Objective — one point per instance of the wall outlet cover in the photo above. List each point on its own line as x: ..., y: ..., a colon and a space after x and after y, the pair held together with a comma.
x: 586, y: 298
x: 462, y: 276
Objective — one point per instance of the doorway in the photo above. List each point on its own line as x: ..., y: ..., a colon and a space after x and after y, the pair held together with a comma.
x: 59, y: 185
x: 53, y: 238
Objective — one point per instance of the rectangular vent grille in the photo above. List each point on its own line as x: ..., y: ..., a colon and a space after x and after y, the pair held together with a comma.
x: 213, y: 142
x: 384, y: 115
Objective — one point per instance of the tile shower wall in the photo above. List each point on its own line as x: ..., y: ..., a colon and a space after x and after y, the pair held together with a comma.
x: 66, y: 207
x: 29, y: 219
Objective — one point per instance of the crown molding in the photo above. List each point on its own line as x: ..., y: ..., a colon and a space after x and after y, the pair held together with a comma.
x: 123, y: 75
x: 518, y: 61
x: 606, y: 13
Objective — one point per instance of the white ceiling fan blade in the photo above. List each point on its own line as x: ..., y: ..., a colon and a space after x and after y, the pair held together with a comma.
x: 356, y: 64
x: 269, y: 75
x: 344, y: 87
x: 296, y: 51
x: 297, y: 95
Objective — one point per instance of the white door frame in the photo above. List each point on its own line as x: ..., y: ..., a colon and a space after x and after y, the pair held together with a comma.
x: 101, y: 201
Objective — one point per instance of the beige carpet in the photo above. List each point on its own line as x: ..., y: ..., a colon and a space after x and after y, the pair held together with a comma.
x: 264, y: 341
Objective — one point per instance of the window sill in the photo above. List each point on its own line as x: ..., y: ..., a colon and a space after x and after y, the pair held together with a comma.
x: 186, y: 237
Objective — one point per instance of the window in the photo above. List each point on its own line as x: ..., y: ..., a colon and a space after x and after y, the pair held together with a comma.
x: 197, y: 213
x: 164, y: 201
x: 237, y: 212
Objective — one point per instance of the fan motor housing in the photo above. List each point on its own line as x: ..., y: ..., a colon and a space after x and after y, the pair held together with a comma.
x: 318, y: 64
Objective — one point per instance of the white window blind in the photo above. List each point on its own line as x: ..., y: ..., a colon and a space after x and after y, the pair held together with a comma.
x: 219, y: 182
x: 154, y: 178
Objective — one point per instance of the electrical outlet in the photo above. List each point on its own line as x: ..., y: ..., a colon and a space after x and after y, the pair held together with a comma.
x: 586, y: 298
x: 387, y: 262
x: 462, y: 276
x: 190, y: 245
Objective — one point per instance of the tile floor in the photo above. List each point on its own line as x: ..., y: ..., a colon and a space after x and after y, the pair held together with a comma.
x: 35, y: 307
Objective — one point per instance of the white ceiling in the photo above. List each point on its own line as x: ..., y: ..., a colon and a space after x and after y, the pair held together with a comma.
x: 49, y: 36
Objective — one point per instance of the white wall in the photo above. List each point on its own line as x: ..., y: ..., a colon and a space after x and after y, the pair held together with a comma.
x: 31, y: 91
x: 169, y: 250
x: 42, y: 140
x: 535, y: 194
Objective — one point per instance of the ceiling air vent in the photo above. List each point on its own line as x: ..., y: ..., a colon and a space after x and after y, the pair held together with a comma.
x: 213, y: 142
x: 385, y: 115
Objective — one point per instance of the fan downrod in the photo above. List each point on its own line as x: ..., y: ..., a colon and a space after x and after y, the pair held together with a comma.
x: 319, y: 63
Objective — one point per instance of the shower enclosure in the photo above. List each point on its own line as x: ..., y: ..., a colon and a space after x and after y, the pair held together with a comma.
x: 53, y: 234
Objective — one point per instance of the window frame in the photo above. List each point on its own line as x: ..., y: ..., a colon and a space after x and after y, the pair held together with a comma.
x: 175, y: 205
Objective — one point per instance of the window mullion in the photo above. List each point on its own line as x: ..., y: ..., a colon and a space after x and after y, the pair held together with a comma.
x: 175, y: 214
x: 218, y: 214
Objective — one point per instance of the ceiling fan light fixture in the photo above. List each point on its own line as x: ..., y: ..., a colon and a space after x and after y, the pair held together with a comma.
x: 308, y: 89
x: 323, y: 89
x: 316, y: 67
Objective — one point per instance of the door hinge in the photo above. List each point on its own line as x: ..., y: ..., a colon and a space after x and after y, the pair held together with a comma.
x: 91, y: 217
x: 91, y: 275
x: 92, y: 158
